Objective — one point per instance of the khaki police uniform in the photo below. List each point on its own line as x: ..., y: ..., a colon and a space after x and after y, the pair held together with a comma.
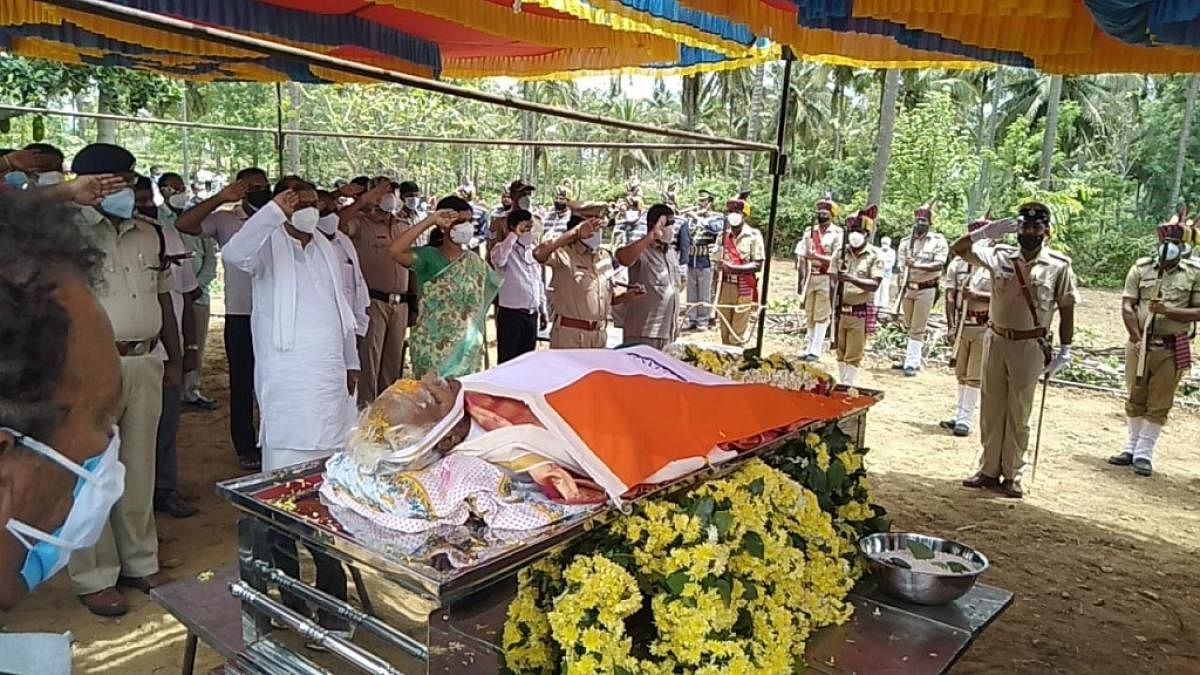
x: 381, y: 350
x: 129, y: 292
x: 852, y: 324
x: 818, y: 285
x: 735, y: 305
x: 581, y: 295
x: 920, y: 289
x: 973, y: 283
x: 1152, y: 396
x: 1014, y: 359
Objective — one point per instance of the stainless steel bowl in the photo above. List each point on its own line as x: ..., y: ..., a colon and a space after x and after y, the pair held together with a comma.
x: 917, y: 587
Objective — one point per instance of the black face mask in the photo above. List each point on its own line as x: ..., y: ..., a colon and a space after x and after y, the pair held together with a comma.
x: 822, y: 218
x: 258, y: 199
x: 150, y: 211
x: 560, y: 206
x: 921, y: 228
x: 1030, y: 242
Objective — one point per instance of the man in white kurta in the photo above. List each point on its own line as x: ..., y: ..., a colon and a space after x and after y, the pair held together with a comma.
x: 305, y: 360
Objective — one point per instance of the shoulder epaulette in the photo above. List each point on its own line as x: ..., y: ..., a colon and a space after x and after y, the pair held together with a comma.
x: 1062, y: 257
x: 1188, y: 262
x: 1143, y: 262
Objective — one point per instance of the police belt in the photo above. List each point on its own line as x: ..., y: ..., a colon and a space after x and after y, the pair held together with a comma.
x: 977, y: 318
x: 1163, y: 341
x: 1010, y: 334
x: 391, y: 298
x: 922, y: 285
x: 578, y: 324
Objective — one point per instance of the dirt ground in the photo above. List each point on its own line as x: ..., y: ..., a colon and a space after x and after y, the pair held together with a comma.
x: 1103, y: 563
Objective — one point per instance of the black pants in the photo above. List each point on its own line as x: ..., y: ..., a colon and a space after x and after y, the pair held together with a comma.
x: 331, y: 576
x: 239, y: 349
x: 166, y: 455
x: 516, y: 333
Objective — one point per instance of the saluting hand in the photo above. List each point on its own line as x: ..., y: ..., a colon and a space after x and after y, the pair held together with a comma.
x: 90, y: 190
x: 589, y: 227
x: 287, y: 201
x: 234, y: 192
x: 28, y: 160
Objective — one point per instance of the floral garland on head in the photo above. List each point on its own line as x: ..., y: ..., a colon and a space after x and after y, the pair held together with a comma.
x: 749, y: 367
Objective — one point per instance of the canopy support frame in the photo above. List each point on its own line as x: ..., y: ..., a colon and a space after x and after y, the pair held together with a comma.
x: 778, y: 169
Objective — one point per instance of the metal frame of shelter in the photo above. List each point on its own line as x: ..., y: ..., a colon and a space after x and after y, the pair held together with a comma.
x: 778, y: 156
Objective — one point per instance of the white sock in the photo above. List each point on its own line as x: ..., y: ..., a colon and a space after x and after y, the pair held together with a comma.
x: 849, y: 374
x: 966, y: 409
x: 1147, y: 440
x: 816, y: 339
x: 912, y: 359
x: 1136, y: 424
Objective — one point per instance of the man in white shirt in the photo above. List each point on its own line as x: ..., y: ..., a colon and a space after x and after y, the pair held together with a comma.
x: 306, y: 361
x: 251, y: 191
x: 522, y: 295
x: 353, y: 284
x: 883, y: 294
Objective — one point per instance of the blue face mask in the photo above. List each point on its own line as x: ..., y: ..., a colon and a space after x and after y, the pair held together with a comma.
x: 16, y: 180
x: 98, y: 485
x: 118, y: 204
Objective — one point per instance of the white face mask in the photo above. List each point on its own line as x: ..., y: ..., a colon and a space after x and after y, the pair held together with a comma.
x: 856, y: 239
x: 178, y: 201
x: 99, y: 484
x: 50, y: 178
x: 305, y: 219
x: 1170, y: 251
x: 328, y: 224
x: 632, y: 216
x: 593, y: 240
x: 389, y: 202
x: 461, y: 233
x: 524, y: 202
x: 734, y: 219
x: 412, y: 203
x: 526, y: 238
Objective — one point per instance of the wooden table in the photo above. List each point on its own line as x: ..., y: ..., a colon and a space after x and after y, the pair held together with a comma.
x: 208, y: 612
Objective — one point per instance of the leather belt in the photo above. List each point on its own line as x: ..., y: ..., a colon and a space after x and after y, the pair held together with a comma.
x: 390, y: 298
x: 922, y: 285
x: 519, y: 310
x: 578, y: 324
x: 136, y: 347
x: 1163, y: 341
x: 851, y: 308
x: 1009, y: 334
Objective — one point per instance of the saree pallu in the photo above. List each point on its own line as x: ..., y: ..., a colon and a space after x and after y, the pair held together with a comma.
x: 448, y: 337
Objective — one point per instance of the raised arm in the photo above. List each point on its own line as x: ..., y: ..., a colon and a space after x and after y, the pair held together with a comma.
x: 502, y: 249
x: 629, y: 253
x: 584, y: 230
x: 402, y: 247
x: 192, y: 221
x: 242, y: 249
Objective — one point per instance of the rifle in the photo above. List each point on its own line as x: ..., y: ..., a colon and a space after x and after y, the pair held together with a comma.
x: 903, y: 288
x: 1148, y: 324
x: 962, y: 316
x: 843, y: 266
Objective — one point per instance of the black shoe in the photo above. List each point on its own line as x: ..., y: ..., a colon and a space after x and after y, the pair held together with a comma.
x: 809, y: 358
x: 1122, y: 459
x: 897, y: 366
x: 981, y: 480
x: 1142, y: 466
x: 202, y: 403
x: 962, y: 430
x: 173, y: 505
x: 250, y: 463
x: 1011, y: 490
x: 948, y: 425
x: 910, y: 372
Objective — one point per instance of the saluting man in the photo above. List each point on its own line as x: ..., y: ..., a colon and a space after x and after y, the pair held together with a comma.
x: 968, y: 294
x: 1163, y: 295
x: 1029, y: 283
x: 922, y: 256
x: 860, y: 271
x: 817, y: 248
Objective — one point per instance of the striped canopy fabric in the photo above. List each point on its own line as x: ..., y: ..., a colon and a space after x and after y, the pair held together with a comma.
x: 568, y: 38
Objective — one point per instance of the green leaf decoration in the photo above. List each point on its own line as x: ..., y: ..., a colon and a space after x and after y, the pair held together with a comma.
x: 752, y: 543
x: 836, y: 474
x: 756, y: 487
x: 920, y: 551
x: 957, y: 567
x: 725, y: 589
x: 703, y: 509
x: 723, y: 520
x: 750, y: 591
x: 676, y: 582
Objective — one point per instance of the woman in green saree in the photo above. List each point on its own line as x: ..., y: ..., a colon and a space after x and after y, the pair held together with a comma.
x: 456, y: 289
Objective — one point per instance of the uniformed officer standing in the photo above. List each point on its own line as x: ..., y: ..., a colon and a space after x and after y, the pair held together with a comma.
x: 1029, y: 283
x: 860, y: 271
x: 1165, y: 290
x: 817, y: 248
x: 922, y: 256
x: 581, y: 285
x: 740, y: 255
x: 135, y: 293
x: 968, y: 292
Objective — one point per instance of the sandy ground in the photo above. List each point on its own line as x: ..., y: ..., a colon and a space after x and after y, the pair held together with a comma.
x: 1103, y: 563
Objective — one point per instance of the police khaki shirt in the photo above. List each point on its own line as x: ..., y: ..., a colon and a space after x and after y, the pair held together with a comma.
x: 749, y: 244
x: 831, y: 241
x: 373, y: 234
x: 865, y: 264
x: 976, y: 279
x: 1180, y: 290
x: 131, y: 285
x: 932, y: 249
x: 1050, y: 277
x: 655, y: 314
x: 581, y: 283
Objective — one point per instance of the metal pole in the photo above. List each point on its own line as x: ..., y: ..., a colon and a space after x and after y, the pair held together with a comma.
x: 279, y: 126
x: 778, y: 167
x: 238, y: 40
x: 187, y: 150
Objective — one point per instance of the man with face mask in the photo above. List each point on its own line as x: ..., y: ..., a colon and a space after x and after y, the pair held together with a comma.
x: 135, y: 293
x: 520, y: 196
x: 556, y: 221
x: 922, y: 254
x: 522, y: 296
x: 739, y: 256
x: 653, y: 317
x: 968, y: 292
x: 859, y: 270
x: 1163, y: 293
x: 696, y: 241
x: 582, y: 283
x: 38, y: 164
x: 412, y: 209
x: 353, y: 284
x: 373, y: 223
x: 215, y: 219
x: 1030, y: 282
x: 817, y: 247
x: 60, y: 392
x: 883, y: 295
